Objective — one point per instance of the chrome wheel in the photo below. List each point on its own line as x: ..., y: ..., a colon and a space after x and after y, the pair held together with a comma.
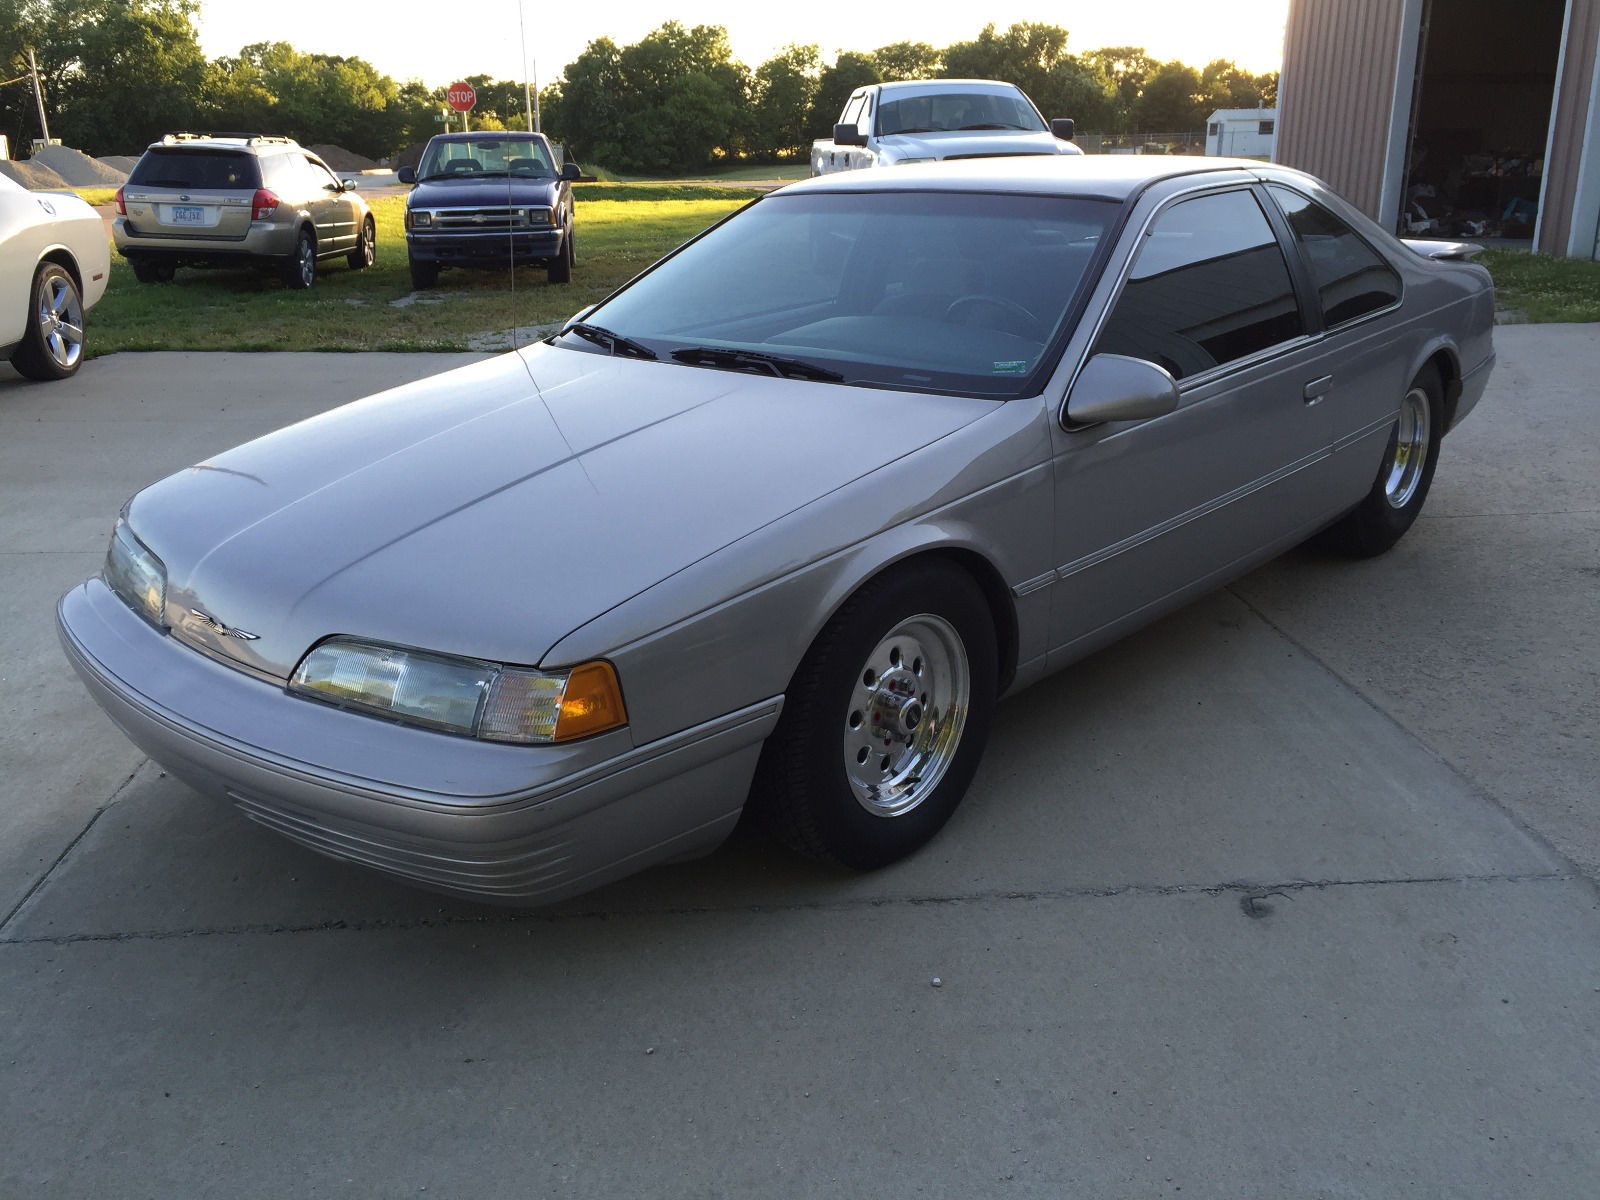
x: 1410, y: 449
x: 60, y: 320
x: 906, y: 715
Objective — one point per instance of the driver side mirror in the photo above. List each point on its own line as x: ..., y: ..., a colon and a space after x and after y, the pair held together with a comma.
x: 1114, y: 387
x: 571, y: 171
x: 407, y: 175
x: 848, y: 135
x: 1063, y: 127
x: 348, y: 185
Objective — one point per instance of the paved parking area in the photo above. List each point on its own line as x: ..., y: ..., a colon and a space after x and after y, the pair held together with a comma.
x: 1290, y: 895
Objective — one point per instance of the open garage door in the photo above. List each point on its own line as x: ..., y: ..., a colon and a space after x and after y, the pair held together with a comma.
x: 1480, y: 119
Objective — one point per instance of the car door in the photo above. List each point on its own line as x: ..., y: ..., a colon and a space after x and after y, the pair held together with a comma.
x: 1357, y: 291
x: 1151, y: 512
x: 332, y: 211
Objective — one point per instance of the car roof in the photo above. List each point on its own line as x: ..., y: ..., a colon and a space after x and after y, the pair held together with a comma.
x: 1103, y: 176
x: 256, y: 143
x: 942, y: 86
x: 489, y: 135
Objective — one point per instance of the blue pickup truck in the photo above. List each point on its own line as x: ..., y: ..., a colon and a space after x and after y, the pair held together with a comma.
x: 490, y: 199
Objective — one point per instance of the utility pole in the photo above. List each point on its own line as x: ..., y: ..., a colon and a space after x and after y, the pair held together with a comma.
x: 38, y: 96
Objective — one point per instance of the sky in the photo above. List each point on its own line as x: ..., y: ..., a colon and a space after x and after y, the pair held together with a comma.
x: 441, y: 42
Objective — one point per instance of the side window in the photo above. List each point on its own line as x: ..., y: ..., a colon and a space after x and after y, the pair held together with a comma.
x: 319, y: 175
x: 1209, y: 286
x: 1351, y: 277
x: 852, y: 111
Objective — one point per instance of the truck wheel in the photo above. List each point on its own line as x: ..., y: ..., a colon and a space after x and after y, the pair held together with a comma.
x: 424, y: 274
x: 561, y: 268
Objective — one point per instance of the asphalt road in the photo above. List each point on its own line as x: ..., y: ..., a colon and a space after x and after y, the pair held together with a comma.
x: 1291, y: 895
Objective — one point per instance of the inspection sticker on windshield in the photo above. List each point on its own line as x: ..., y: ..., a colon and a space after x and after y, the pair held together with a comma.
x: 1016, y: 366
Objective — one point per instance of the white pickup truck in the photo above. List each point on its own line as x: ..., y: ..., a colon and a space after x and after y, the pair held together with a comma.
x: 885, y: 124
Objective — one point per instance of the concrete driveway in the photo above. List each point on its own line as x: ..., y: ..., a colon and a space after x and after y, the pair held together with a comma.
x: 1291, y: 895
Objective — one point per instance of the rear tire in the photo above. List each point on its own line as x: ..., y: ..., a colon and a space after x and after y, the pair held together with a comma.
x: 1404, y: 476
x: 366, y: 248
x: 52, y: 341
x: 152, y: 271
x: 885, y: 720
x: 300, y: 272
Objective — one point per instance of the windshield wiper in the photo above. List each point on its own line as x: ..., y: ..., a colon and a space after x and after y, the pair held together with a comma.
x: 614, y: 343
x: 754, y: 361
x: 996, y: 125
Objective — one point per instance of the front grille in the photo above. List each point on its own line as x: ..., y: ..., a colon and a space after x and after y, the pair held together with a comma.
x: 489, y: 220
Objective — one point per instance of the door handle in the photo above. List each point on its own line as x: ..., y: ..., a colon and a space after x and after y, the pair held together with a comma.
x: 1318, y: 388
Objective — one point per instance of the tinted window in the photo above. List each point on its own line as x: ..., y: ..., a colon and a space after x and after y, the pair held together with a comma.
x: 1351, y: 277
x: 196, y: 169
x: 1209, y: 286
x: 956, y: 110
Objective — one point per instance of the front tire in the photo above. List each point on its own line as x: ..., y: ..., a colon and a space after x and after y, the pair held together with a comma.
x: 1404, y: 476
x: 560, y: 271
x: 423, y: 274
x: 885, y: 720
x: 366, y: 250
x: 300, y: 272
x: 52, y: 340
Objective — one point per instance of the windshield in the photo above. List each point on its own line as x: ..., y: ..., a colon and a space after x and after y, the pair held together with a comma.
x: 957, y: 110
x: 486, y: 156
x: 945, y: 292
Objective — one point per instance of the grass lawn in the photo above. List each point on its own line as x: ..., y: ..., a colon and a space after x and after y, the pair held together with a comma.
x: 620, y: 230
x: 1545, y: 289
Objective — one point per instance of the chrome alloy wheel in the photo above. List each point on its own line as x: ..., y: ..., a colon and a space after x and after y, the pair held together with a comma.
x: 906, y: 714
x: 1410, y: 449
x: 60, y: 315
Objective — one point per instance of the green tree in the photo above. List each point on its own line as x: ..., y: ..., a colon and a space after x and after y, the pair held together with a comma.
x: 119, y: 73
x: 782, y: 91
x: 1224, y: 85
x: 908, y: 60
x: 1171, y: 100
x: 1125, y: 70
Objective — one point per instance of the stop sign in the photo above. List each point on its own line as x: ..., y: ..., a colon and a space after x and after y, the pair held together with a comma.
x: 461, y: 97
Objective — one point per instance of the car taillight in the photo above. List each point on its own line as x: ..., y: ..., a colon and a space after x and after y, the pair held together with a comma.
x: 122, y: 209
x: 263, y: 205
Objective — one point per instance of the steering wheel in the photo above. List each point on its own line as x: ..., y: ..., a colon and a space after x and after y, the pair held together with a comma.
x: 1014, y: 319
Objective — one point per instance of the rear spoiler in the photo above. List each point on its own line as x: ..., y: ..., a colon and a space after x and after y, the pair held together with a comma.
x: 1445, y: 251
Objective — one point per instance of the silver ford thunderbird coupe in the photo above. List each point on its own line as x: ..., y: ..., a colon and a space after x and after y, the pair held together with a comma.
x: 777, y: 523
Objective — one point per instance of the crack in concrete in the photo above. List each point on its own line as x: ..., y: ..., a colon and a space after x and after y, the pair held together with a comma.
x: 1245, y: 890
x: 44, y: 878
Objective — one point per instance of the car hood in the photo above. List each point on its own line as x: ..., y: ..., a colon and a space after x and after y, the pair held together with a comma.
x: 460, y: 191
x: 973, y: 144
x: 483, y: 514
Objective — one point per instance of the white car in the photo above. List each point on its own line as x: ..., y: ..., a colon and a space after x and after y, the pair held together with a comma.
x: 55, y: 259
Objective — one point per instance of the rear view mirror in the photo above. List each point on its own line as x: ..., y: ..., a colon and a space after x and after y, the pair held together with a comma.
x: 1063, y: 128
x: 848, y: 135
x: 408, y: 175
x: 1114, y: 387
x: 571, y: 171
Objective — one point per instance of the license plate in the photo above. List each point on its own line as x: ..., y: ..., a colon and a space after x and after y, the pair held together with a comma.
x: 188, y: 214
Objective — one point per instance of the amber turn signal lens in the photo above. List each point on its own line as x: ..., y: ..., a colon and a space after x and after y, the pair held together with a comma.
x: 590, y: 703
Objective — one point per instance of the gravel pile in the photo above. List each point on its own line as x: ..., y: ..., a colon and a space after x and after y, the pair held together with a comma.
x: 31, y: 175
x: 77, y: 168
x: 342, y: 160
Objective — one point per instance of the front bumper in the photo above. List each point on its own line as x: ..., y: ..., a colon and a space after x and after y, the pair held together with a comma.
x: 485, y: 249
x: 509, y: 824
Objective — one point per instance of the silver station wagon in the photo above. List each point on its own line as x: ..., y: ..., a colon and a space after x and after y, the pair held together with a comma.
x: 776, y: 524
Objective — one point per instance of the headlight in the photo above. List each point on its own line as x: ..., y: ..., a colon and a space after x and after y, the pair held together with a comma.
x: 461, y: 695
x: 539, y: 216
x: 136, y: 574
x: 418, y: 220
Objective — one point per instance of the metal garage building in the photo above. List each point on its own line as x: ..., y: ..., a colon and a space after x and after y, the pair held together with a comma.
x: 1481, y: 117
